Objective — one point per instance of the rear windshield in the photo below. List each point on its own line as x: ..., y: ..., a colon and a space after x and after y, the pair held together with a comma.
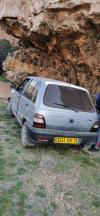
x: 68, y: 98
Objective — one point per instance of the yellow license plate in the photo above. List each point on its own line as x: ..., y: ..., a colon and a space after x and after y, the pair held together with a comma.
x: 65, y: 140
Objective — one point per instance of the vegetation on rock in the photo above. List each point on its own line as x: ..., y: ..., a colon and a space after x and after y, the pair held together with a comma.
x: 5, y: 48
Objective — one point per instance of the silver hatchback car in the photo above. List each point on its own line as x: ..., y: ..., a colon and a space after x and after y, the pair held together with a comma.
x: 51, y: 111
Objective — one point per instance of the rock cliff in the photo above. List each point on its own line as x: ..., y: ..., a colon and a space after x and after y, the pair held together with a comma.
x: 59, y: 39
x: 11, y: 39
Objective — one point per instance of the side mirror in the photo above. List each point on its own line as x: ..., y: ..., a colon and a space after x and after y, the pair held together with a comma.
x: 13, y: 86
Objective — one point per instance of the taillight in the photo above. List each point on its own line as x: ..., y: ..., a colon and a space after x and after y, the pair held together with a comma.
x: 39, y: 121
x: 95, y: 127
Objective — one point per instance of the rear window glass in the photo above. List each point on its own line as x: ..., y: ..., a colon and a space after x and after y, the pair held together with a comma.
x: 68, y: 98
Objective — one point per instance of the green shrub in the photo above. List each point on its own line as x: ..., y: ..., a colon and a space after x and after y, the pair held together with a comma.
x: 5, y: 48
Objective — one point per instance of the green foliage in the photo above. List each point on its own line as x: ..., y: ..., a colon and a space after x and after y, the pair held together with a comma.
x: 2, y: 169
x: 5, y: 48
x: 2, y: 78
x: 20, y: 171
x: 96, y: 201
x: 41, y: 191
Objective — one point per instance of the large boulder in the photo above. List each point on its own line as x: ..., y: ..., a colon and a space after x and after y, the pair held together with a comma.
x: 64, y: 37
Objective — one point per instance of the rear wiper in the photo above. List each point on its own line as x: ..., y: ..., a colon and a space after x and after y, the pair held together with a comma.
x: 66, y: 106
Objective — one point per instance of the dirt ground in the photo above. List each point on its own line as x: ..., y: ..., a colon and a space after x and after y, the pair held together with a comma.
x: 4, y: 90
x: 46, y: 180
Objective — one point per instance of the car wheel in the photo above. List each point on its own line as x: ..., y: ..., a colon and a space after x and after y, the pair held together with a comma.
x: 25, y: 142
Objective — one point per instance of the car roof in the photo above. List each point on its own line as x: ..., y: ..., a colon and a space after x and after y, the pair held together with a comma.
x: 56, y: 82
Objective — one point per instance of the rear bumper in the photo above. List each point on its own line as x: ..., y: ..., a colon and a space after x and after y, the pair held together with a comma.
x: 36, y: 135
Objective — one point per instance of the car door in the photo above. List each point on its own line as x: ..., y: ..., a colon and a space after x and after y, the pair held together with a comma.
x: 25, y: 104
x: 16, y: 95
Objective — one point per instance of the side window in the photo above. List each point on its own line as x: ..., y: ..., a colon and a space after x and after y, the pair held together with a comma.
x: 34, y: 93
x: 21, y: 86
x: 28, y: 93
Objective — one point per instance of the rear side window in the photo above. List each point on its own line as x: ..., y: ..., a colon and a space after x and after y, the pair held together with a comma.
x: 67, y: 98
x: 28, y: 93
x: 22, y: 85
x: 35, y: 93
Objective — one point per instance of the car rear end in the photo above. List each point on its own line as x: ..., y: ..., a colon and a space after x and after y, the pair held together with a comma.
x: 65, y: 114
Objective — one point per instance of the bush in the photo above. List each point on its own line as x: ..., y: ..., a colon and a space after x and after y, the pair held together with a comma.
x: 5, y: 48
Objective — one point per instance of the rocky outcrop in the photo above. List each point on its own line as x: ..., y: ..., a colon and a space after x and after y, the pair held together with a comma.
x: 62, y: 37
x: 4, y: 36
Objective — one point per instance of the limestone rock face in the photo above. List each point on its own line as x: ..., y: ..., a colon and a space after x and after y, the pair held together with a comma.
x: 63, y: 39
x: 11, y: 39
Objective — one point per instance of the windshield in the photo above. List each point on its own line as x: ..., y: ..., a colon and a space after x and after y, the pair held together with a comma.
x: 59, y: 96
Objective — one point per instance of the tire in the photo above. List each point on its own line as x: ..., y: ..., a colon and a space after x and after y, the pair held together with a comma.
x: 25, y: 142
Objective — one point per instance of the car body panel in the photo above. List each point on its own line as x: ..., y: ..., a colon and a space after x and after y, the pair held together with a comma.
x: 62, y: 119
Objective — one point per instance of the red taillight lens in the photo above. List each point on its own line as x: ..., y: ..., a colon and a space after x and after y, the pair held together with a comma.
x: 42, y: 139
x: 95, y: 127
x: 39, y: 121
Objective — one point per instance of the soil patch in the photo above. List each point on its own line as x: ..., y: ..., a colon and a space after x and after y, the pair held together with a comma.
x: 4, y: 90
